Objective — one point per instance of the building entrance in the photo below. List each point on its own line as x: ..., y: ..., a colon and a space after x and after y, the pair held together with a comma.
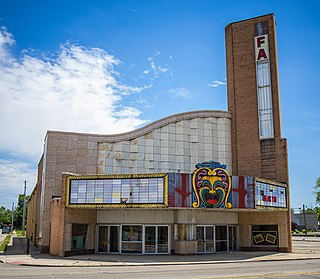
x: 156, y: 240
x: 213, y: 238
x: 109, y: 239
x: 145, y: 239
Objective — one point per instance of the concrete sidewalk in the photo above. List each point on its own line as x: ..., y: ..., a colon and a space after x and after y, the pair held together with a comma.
x: 16, y: 254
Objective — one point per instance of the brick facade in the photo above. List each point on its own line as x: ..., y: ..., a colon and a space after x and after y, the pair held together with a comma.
x: 266, y: 158
x: 250, y: 155
x: 174, y: 145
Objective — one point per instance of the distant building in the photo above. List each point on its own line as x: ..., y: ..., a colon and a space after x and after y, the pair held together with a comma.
x: 307, y: 221
x: 195, y: 182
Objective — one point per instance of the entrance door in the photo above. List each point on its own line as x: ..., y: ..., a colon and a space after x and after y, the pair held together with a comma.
x: 221, y: 233
x: 209, y: 240
x: 150, y: 239
x: 232, y: 231
x: 114, y: 239
x: 200, y: 239
x: 108, y: 239
x: 163, y: 240
x: 103, y: 239
x: 156, y: 240
x: 205, y: 238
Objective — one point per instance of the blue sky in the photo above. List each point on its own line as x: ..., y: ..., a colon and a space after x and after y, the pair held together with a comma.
x: 112, y: 66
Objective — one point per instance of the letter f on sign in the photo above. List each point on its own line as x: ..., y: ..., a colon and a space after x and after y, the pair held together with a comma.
x: 260, y: 41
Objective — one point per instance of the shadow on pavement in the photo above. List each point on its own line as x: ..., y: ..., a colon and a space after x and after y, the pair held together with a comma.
x: 19, y: 247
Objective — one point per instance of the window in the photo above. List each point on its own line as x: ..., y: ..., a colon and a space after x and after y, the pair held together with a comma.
x: 79, y: 233
x: 264, y: 235
x: 270, y: 195
x: 144, y: 190
x: 264, y: 100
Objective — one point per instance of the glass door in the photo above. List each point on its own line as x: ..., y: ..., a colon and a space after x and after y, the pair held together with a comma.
x: 232, y: 232
x: 108, y: 239
x: 221, y: 238
x: 209, y: 239
x: 150, y: 239
x: 156, y: 240
x: 163, y: 240
x: 114, y: 239
x: 103, y: 239
x: 131, y: 239
x: 205, y: 238
x: 200, y: 239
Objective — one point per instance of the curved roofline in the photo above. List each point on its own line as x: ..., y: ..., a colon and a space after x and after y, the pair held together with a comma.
x: 155, y: 125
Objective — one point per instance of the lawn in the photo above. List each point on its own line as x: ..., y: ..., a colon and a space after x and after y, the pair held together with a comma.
x: 4, y: 243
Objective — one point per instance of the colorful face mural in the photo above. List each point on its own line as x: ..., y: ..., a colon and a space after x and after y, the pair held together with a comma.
x: 211, y: 185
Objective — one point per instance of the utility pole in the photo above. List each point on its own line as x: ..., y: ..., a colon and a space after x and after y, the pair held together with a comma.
x: 304, y: 218
x: 12, y: 214
x: 24, y: 206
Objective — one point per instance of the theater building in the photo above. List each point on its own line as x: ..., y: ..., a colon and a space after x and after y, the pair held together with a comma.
x: 195, y: 182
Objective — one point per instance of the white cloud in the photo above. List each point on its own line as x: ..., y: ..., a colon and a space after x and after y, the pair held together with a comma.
x: 180, y: 92
x: 6, y: 39
x: 144, y: 103
x: 217, y: 83
x: 77, y: 90
x: 13, y: 174
x: 155, y: 69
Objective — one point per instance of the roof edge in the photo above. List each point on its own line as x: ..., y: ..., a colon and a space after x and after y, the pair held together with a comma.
x: 153, y: 125
x: 271, y: 14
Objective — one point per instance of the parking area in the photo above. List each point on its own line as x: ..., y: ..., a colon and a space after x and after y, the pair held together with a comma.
x: 306, y: 244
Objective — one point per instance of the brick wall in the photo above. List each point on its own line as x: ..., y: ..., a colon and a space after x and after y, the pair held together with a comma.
x: 250, y: 155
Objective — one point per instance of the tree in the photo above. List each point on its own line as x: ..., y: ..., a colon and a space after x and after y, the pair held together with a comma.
x: 317, y: 209
x: 18, y: 213
x: 317, y: 190
x: 308, y: 210
x: 5, y: 216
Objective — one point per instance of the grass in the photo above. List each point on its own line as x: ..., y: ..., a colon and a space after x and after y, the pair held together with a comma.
x: 4, y: 243
x: 18, y: 232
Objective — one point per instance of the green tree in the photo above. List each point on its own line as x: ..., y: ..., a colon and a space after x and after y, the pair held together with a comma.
x: 18, y: 213
x: 5, y: 216
x: 317, y: 209
x: 308, y: 210
x: 317, y: 190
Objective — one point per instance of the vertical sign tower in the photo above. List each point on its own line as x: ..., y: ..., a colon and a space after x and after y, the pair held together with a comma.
x: 253, y: 98
x: 258, y: 148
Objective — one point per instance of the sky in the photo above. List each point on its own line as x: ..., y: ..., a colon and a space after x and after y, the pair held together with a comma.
x: 112, y: 66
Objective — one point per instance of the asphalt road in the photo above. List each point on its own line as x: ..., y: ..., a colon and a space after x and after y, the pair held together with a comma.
x: 274, y: 269
x: 293, y: 269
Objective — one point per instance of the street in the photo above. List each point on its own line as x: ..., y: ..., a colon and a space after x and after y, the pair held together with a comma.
x: 293, y: 267
x: 273, y: 269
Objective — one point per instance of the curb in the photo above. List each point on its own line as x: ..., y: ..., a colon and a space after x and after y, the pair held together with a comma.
x: 157, y: 264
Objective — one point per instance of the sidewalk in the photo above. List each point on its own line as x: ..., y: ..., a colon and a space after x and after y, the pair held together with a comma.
x: 16, y: 254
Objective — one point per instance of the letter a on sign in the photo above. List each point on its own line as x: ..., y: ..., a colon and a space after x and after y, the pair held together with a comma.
x: 261, y: 48
x: 262, y: 54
